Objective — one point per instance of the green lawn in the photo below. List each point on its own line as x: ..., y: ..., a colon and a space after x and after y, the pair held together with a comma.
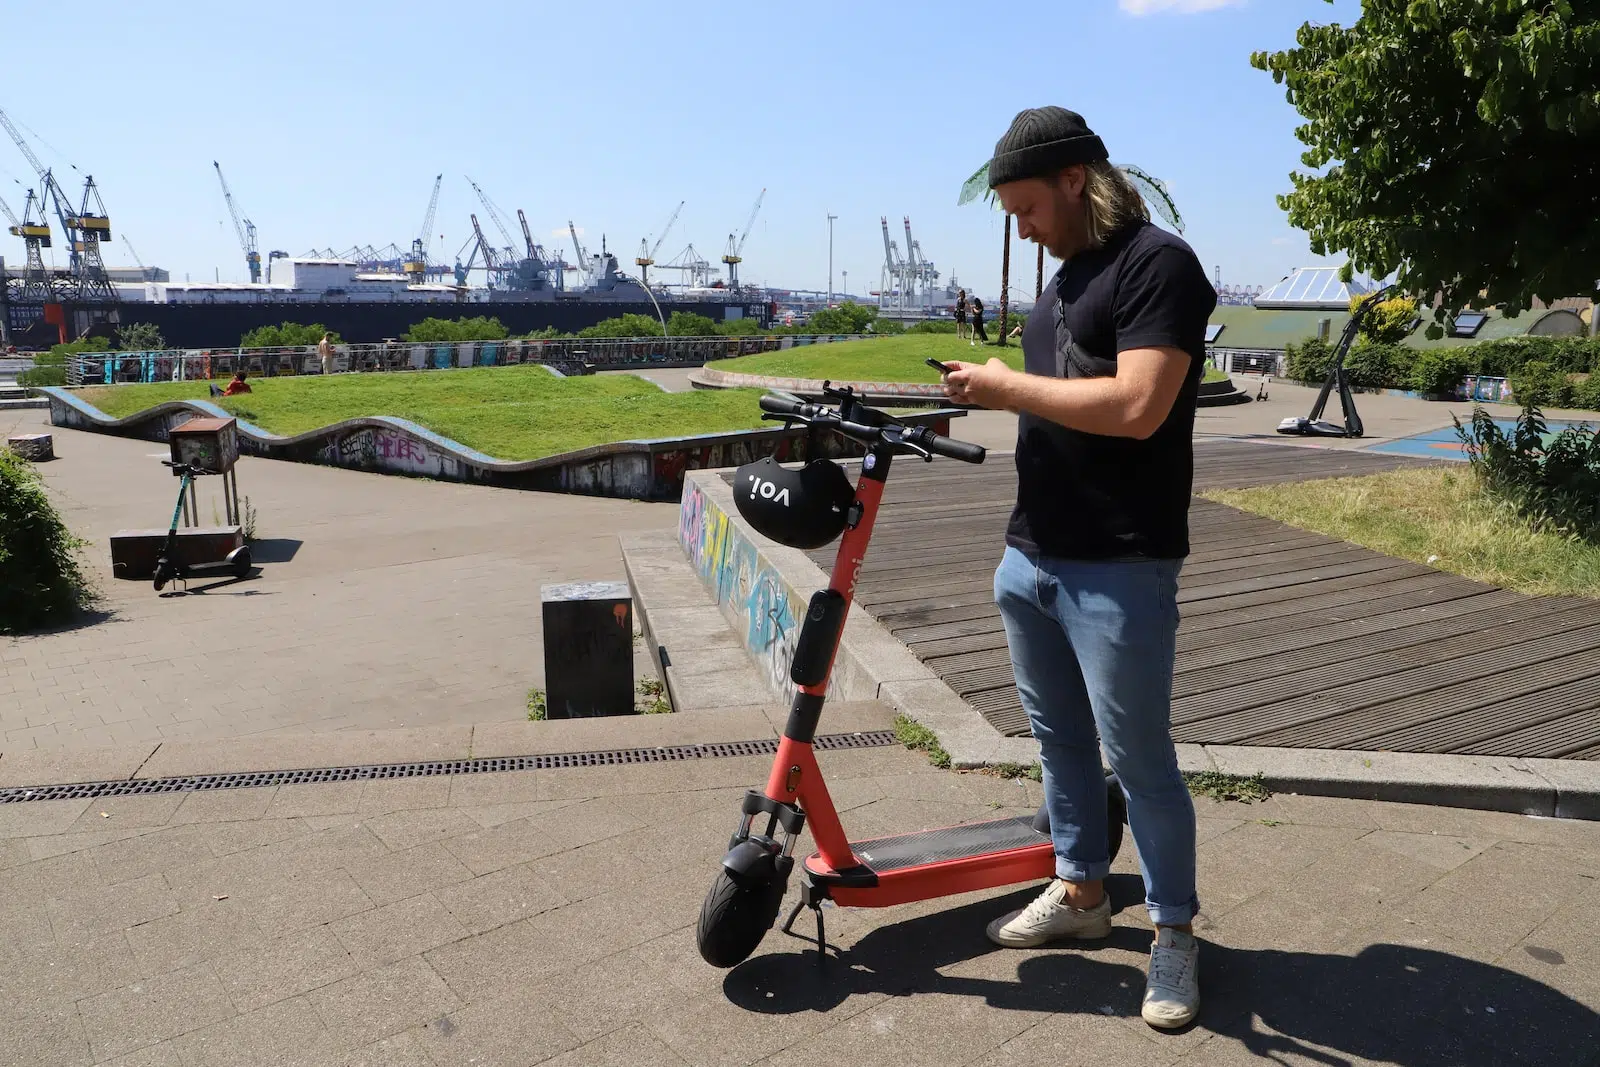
x: 507, y: 412
x: 884, y: 359
x: 1435, y: 517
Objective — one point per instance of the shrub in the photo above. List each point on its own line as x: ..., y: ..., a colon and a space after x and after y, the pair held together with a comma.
x: 140, y: 337
x: 739, y: 328
x: 1307, y: 361
x: 848, y: 317
x: 629, y: 325
x: 886, y: 327
x: 40, y: 376
x: 455, y: 330
x: 1554, y: 486
x: 549, y: 333
x: 1376, y: 365
x: 689, y: 324
x: 1541, y: 384
x: 41, y: 581
x: 1586, y: 394
x: 933, y: 326
x: 286, y: 335
x: 1438, y: 371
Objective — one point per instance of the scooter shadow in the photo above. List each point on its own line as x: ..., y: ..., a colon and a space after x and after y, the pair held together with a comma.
x: 907, y: 958
x: 202, y: 590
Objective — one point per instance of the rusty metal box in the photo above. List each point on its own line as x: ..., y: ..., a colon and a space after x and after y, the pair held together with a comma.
x: 209, y: 444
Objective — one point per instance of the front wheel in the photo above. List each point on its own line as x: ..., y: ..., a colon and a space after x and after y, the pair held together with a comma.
x: 164, y: 572
x: 734, y: 919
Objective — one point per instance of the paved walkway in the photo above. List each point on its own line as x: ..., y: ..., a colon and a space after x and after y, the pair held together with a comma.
x: 381, y: 602
x: 548, y: 917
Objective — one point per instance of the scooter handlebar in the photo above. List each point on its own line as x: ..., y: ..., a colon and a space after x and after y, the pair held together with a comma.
x: 785, y: 405
x: 949, y: 447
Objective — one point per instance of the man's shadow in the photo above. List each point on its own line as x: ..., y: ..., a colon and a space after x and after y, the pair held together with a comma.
x: 1412, y: 1007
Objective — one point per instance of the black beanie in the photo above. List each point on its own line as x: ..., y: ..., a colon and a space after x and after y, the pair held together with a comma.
x: 1040, y: 142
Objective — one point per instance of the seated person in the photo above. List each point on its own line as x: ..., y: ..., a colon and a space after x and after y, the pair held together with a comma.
x: 237, y: 385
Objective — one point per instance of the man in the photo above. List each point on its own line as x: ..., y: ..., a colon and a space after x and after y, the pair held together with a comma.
x: 1087, y: 588
x: 237, y: 385
x: 325, y: 350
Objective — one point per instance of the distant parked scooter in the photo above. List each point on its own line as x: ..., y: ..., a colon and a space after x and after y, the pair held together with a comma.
x: 1315, y: 425
x: 170, y: 565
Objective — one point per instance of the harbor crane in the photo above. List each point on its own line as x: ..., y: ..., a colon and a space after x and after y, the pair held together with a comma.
x: 416, y: 267
x: 244, y: 228
x: 584, y: 270
x: 36, y: 281
x: 647, y: 252
x: 734, y: 255
x: 85, y: 230
x: 538, y: 255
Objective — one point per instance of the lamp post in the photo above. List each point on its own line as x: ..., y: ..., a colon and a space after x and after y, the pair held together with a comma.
x: 846, y: 283
x: 830, y: 259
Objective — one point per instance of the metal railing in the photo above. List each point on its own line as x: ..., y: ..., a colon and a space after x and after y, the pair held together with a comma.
x: 568, y: 355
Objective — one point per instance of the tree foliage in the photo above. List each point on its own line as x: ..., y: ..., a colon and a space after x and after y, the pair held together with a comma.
x: 1461, y: 141
x: 848, y: 317
x: 445, y: 330
x: 140, y: 337
x: 689, y: 324
x: 286, y: 335
x: 42, y: 580
x: 1389, y: 321
x: 630, y: 325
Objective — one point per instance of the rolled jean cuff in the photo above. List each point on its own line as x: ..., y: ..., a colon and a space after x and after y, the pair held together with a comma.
x: 1172, y: 914
x: 1073, y: 871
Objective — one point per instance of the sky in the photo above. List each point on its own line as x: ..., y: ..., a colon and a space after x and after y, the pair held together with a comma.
x: 330, y: 121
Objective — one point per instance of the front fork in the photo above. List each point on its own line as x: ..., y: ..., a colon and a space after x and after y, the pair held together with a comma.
x: 758, y: 859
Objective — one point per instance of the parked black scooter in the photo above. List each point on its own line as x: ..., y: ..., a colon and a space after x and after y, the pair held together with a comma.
x: 170, y: 565
x: 1314, y: 425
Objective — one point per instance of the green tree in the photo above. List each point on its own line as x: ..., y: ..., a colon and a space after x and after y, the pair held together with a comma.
x: 629, y: 325
x: 1449, y: 130
x: 688, y: 324
x: 740, y: 328
x: 41, y: 577
x: 448, y: 330
x: 286, y: 335
x: 140, y: 337
x: 848, y: 317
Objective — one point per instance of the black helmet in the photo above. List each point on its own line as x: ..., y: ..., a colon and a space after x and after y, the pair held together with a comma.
x: 802, y: 508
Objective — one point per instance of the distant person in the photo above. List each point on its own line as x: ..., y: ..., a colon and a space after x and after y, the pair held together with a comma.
x: 961, y: 313
x: 325, y: 350
x: 978, y: 334
x: 237, y: 385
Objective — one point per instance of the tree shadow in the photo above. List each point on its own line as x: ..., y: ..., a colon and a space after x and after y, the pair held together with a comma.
x: 82, y: 619
x: 1413, y: 1007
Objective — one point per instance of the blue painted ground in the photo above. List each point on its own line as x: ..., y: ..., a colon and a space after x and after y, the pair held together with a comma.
x: 1444, y: 444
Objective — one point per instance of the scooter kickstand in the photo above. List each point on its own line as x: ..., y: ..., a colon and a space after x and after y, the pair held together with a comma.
x: 815, y: 904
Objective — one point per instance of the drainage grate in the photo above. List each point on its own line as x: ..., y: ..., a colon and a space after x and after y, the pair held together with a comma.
x: 191, y: 783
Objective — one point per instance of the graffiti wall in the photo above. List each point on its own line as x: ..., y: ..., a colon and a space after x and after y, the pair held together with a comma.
x: 762, y: 608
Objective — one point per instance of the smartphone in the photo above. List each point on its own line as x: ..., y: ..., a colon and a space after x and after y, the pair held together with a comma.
x: 940, y: 367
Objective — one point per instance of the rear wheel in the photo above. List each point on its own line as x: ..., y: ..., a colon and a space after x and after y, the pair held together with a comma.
x: 734, y: 919
x: 241, y: 562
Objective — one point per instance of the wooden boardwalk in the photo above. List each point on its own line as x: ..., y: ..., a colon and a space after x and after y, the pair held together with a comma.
x: 1288, y: 638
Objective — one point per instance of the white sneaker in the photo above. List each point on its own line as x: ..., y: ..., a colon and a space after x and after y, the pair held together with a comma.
x: 1048, y: 918
x: 1172, y: 992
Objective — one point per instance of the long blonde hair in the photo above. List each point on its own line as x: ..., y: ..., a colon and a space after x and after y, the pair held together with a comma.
x: 1110, y: 201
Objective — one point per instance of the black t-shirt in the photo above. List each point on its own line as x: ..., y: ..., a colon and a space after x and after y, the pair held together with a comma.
x: 1087, y: 496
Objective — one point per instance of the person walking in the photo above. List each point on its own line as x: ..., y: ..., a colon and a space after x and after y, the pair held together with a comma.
x: 961, y: 313
x: 325, y: 351
x: 979, y: 335
x: 1087, y: 588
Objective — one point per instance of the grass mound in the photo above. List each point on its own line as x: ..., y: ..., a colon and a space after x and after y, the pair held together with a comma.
x: 1437, y: 517
x: 510, y: 413
x: 41, y: 581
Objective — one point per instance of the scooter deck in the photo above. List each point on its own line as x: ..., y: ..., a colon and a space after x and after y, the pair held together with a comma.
x: 885, y: 854
x: 937, y: 863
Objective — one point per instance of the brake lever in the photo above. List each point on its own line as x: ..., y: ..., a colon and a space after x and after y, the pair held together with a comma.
x: 900, y: 441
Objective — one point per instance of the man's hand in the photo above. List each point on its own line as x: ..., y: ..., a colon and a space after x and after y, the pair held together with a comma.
x: 987, y: 385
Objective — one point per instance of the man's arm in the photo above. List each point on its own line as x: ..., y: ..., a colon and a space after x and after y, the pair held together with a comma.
x: 1134, y: 403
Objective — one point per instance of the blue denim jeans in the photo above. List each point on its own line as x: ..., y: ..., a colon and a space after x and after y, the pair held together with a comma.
x: 1092, y: 647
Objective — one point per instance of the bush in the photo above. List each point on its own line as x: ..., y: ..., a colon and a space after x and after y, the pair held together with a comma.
x: 286, y: 335
x: 1375, y: 365
x: 933, y: 326
x: 739, y: 328
x: 689, y: 324
x: 140, y: 337
x: 630, y: 325
x: 1499, y: 358
x: 1541, y: 384
x: 456, y: 330
x: 549, y: 333
x: 1554, y: 486
x: 886, y: 327
x: 41, y: 582
x: 1586, y: 393
x: 1307, y: 361
x: 41, y: 376
x: 1437, y: 371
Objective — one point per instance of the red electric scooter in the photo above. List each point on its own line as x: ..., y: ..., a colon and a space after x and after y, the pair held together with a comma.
x: 808, y: 508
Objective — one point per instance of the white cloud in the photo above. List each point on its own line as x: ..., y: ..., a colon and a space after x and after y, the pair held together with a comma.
x: 1139, y: 8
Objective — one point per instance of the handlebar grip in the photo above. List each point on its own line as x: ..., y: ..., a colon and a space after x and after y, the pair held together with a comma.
x: 782, y: 405
x: 965, y: 451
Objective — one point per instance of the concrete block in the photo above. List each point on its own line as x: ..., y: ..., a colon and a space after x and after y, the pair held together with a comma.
x: 588, y: 649
x: 134, y: 552
x: 34, y: 447
x: 1485, y: 782
x: 1576, y: 783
